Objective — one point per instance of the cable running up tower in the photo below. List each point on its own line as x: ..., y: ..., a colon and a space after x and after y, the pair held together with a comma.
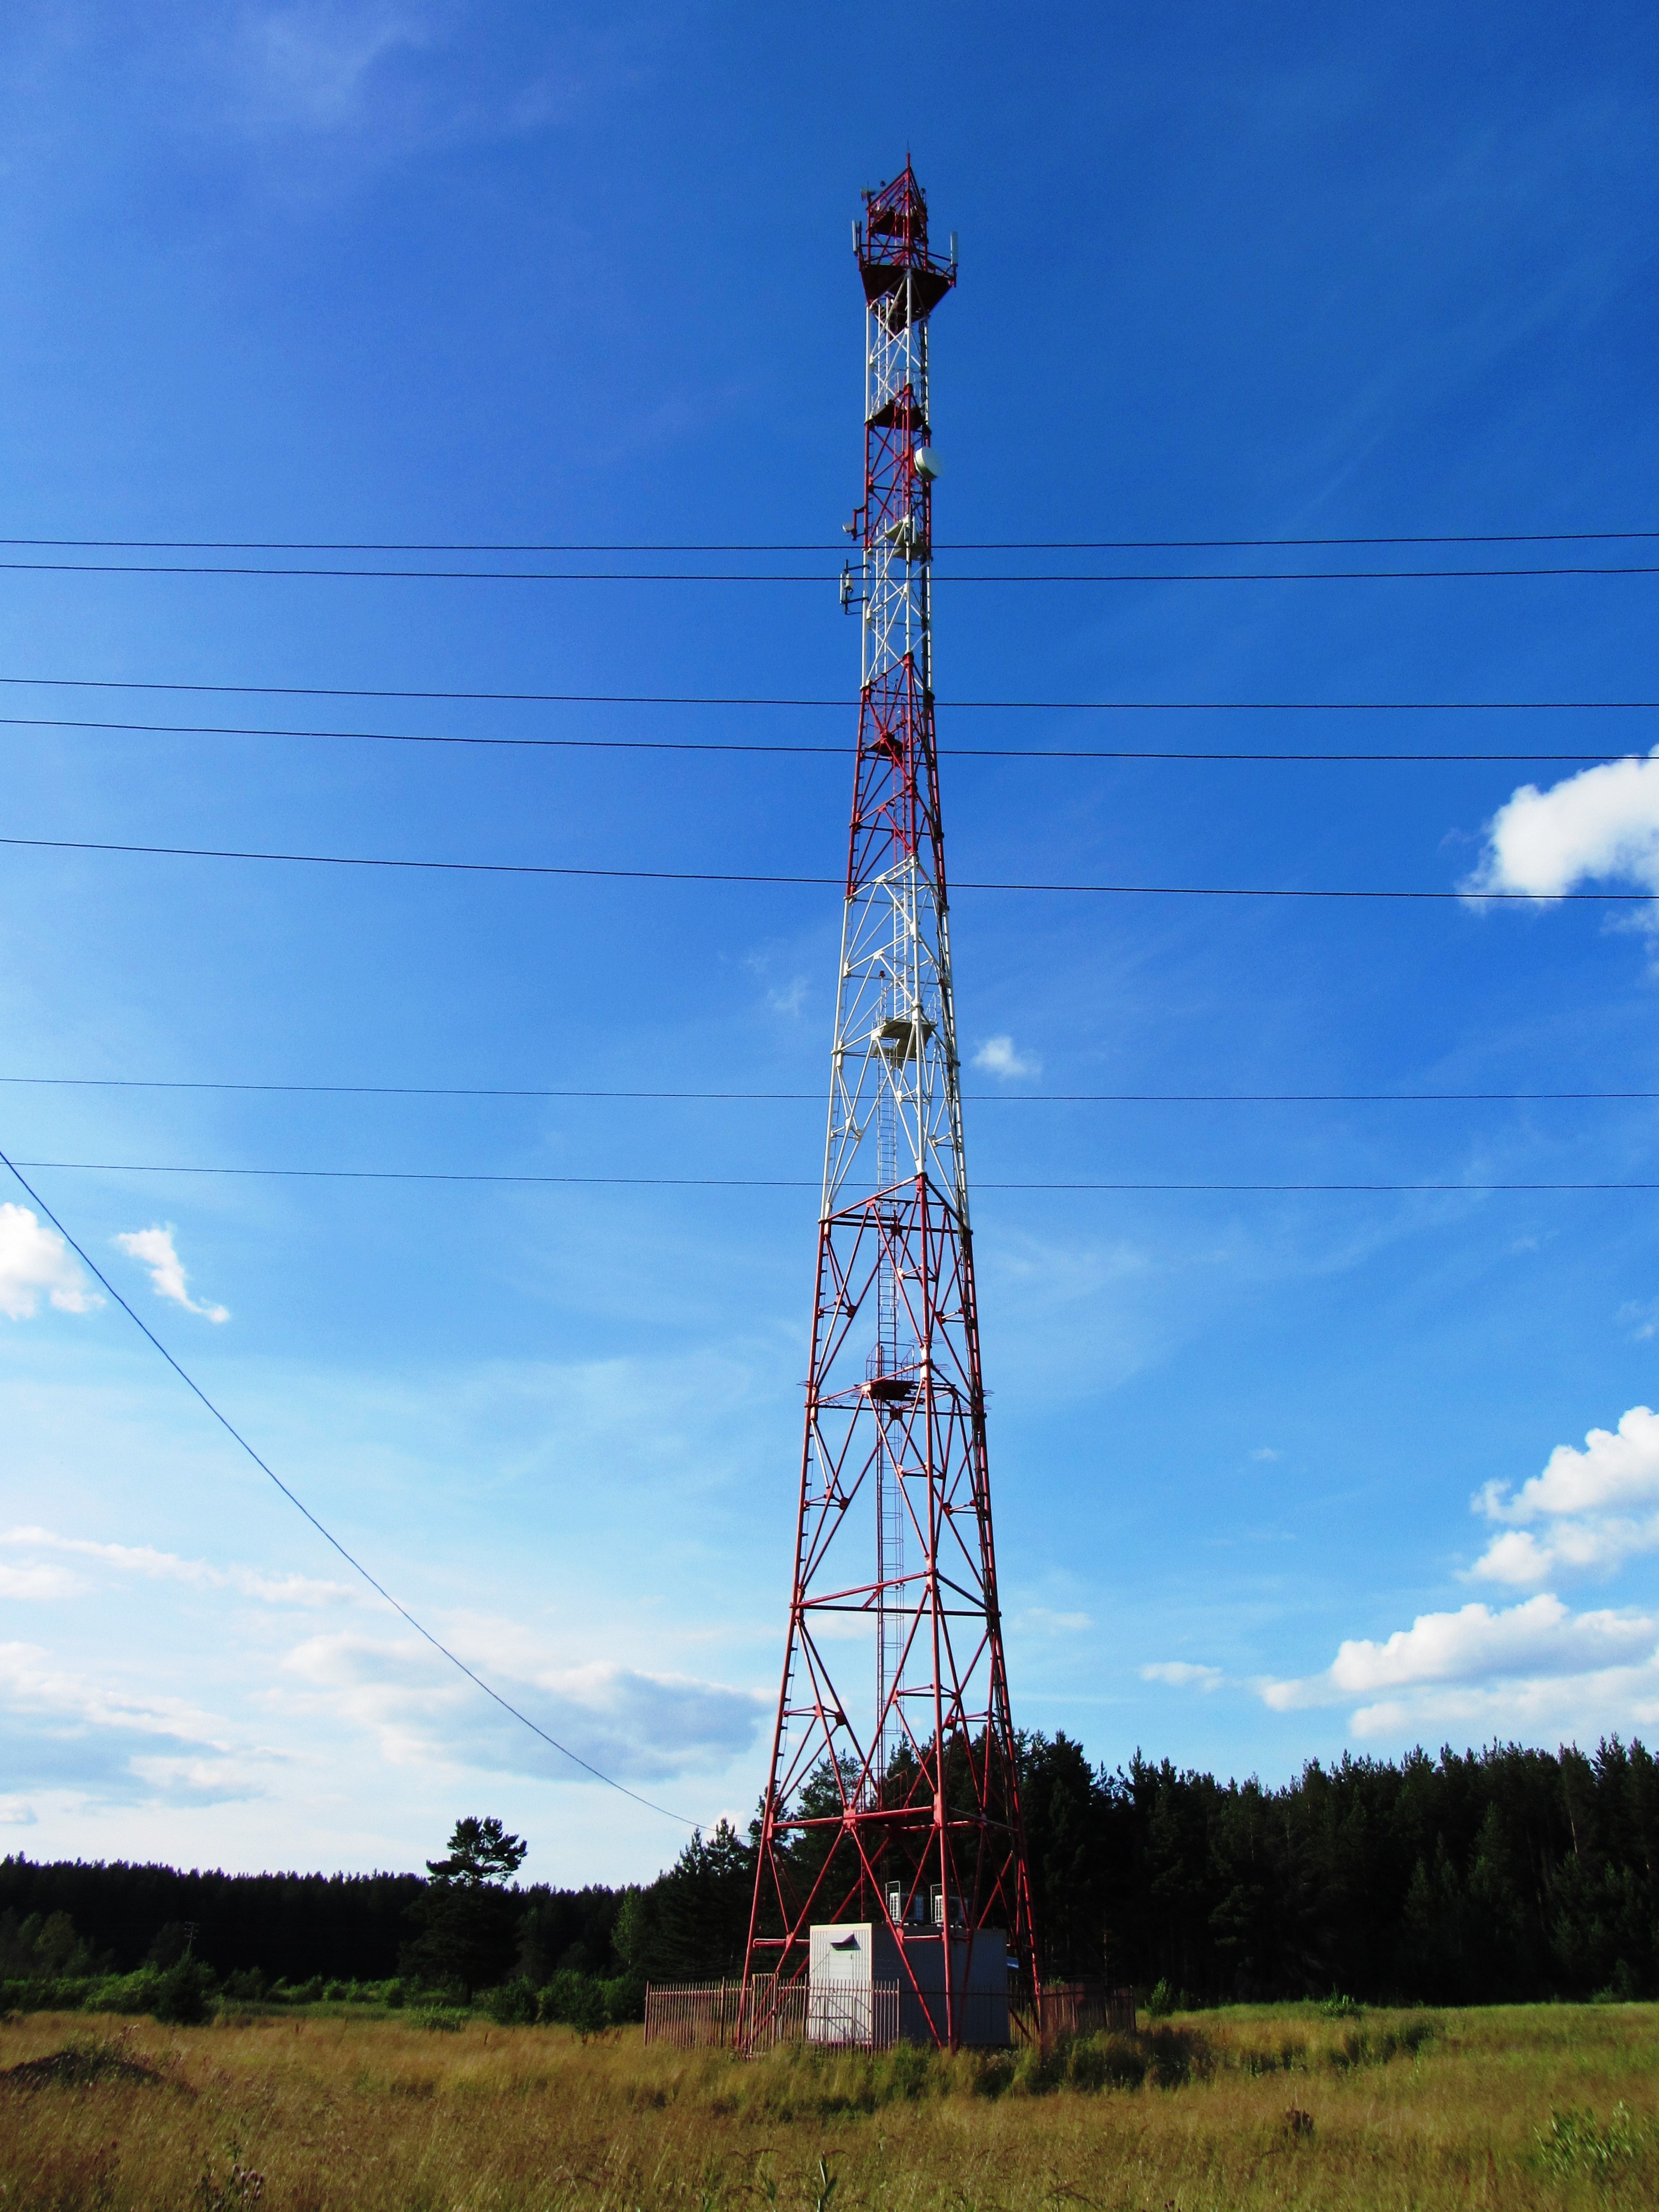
x: 902, y: 1811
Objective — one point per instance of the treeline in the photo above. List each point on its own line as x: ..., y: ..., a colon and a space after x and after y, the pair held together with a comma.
x: 1500, y: 1875
x: 1497, y: 1874
x: 81, y: 1917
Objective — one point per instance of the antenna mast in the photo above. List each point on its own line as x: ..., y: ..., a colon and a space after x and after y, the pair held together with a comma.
x: 902, y: 1810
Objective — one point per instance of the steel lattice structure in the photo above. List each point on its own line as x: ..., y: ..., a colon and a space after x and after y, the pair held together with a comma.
x: 903, y: 1809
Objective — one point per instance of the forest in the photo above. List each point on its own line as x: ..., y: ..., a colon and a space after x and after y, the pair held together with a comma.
x: 1486, y: 1876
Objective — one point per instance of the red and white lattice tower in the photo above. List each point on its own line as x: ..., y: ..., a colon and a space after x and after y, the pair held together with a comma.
x: 902, y: 1808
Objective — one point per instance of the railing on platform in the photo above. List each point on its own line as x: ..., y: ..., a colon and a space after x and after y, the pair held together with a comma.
x: 724, y: 2016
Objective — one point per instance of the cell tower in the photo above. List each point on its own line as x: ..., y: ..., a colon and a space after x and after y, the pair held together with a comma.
x: 902, y: 1809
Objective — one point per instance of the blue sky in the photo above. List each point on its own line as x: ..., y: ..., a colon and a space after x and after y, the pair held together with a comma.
x: 448, y: 272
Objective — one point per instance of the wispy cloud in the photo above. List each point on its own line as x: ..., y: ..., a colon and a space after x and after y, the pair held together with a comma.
x: 165, y: 1566
x: 999, y: 1056
x: 33, y: 1260
x: 1182, y: 1674
x: 311, y: 63
x: 1043, y: 1620
x: 58, y: 1729
x: 154, y: 1248
x: 37, y: 1581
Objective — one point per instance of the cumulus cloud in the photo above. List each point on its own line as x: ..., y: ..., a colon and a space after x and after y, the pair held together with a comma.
x: 155, y: 1246
x: 34, y: 1259
x: 997, y: 1056
x: 1589, y: 1504
x: 1601, y: 825
x: 637, y: 1726
x: 1182, y: 1674
x: 1539, y: 1636
x: 1530, y: 1668
x: 160, y: 1566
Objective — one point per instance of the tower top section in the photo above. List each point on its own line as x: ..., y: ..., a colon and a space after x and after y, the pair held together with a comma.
x: 899, y: 270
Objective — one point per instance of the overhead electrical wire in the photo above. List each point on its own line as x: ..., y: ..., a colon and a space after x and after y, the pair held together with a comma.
x: 816, y: 1098
x: 745, y: 1183
x: 850, y: 702
x: 312, y: 573
x: 329, y: 1538
x: 814, y: 883
x: 812, y: 752
x: 815, y: 545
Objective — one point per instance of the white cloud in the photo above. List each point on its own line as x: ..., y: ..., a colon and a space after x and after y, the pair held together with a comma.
x: 1491, y: 1661
x: 1265, y: 1452
x: 634, y: 1726
x: 1531, y: 1667
x: 165, y: 1566
x: 1182, y: 1674
x: 998, y: 1056
x: 37, y: 1581
x: 1618, y: 1468
x: 15, y: 1813
x: 155, y: 1246
x: 33, y: 1259
x: 1585, y: 1501
x: 1601, y: 825
x: 58, y: 1729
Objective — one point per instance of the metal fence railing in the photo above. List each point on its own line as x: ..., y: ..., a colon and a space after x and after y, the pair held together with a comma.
x: 693, y: 2016
x: 849, y: 2015
x: 724, y: 2016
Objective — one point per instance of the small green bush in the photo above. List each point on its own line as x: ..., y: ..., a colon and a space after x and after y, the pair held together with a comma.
x: 1176, y: 2055
x: 182, y: 1993
x: 1576, y: 2143
x: 512, y: 2005
x: 1106, y: 2062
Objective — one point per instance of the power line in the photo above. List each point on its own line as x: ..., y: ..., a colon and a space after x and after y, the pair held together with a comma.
x: 815, y: 752
x: 747, y: 1182
x: 806, y: 576
x: 815, y: 545
x: 816, y: 1097
x: 812, y: 882
x: 850, y: 702
x: 350, y: 1559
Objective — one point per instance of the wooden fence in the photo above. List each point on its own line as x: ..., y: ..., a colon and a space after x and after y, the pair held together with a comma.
x: 1087, y: 2009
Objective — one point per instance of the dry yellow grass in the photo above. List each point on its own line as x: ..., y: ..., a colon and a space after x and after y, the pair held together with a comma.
x: 313, y: 2113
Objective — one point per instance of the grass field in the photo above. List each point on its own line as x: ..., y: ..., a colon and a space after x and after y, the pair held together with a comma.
x: 1509, y: 2107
